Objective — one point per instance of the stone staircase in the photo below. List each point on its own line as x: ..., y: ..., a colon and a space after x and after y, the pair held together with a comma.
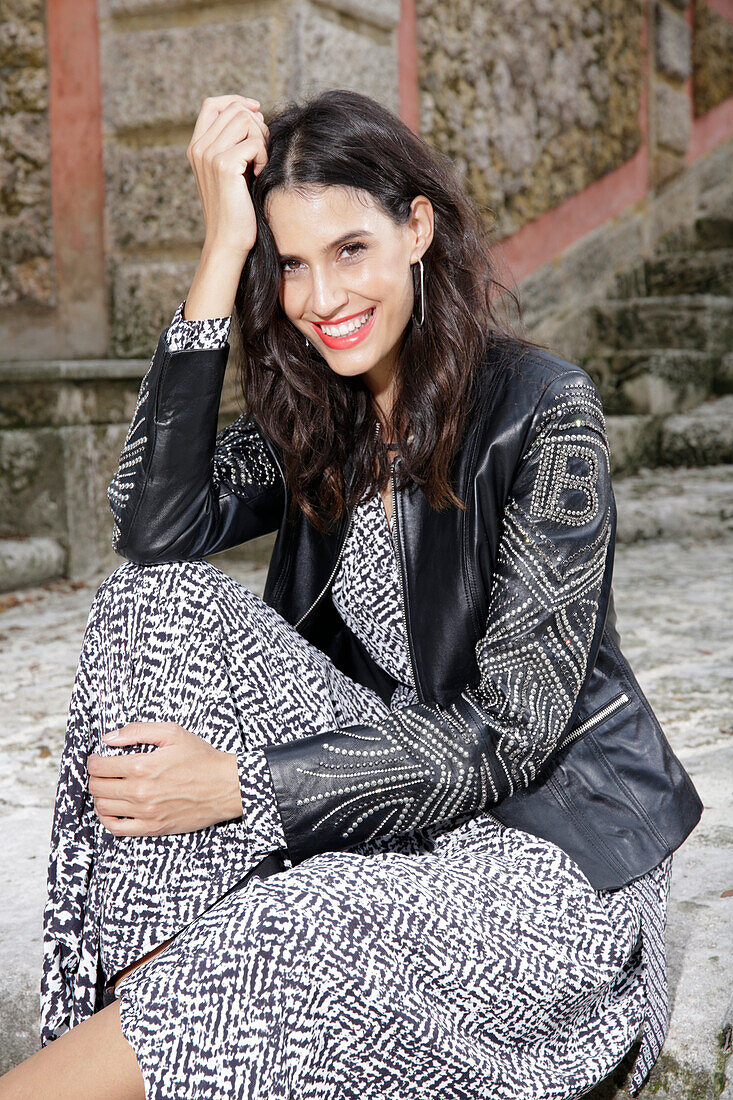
x: 62, y: 425
x: 661, y: 351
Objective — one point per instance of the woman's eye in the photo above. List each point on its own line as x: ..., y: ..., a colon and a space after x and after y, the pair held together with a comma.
x: 358, y: 246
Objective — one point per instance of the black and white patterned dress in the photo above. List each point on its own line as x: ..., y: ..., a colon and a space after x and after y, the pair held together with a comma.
x: 445, y: 964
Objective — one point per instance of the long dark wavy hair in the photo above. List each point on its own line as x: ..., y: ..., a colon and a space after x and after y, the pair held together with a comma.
x: 317, y: 418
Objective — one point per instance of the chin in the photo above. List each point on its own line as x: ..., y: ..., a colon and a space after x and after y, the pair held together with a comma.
x: 346, y: 370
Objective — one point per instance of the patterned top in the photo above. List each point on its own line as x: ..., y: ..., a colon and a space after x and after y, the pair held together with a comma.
x: 544, y: 598
x: 183, y: 334
x: 366, y: 594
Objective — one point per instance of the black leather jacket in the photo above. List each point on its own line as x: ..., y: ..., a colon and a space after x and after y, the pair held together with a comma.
x: 528, y: 709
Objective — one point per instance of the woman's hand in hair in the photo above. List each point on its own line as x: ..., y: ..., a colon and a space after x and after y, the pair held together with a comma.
x: 183, y: 785
x: 228, y: 145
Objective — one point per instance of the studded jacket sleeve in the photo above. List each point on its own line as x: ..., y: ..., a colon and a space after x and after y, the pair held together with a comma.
x: 182, y: 491
x: 427, y: 764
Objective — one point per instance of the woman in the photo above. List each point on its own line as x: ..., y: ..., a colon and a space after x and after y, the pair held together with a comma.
x: 299, y: 889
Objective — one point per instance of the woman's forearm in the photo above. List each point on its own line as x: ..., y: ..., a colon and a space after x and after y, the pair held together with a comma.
x: 215, y: 283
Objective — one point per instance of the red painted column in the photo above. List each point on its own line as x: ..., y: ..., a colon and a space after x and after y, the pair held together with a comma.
x: 722, y: 7
x: 407, y: 65
x: 77, y: 178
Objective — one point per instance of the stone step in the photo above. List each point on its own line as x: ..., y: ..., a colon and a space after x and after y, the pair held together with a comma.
x: 674, y: 503
x: 633, y: 442
x: 697, y: 322
x: 659, y: 381
x: 702, y: 437
x: 706, y: 272
x: 67, y: 393
x: 723, y: 379
x: 709, y: 231
x: 30, y: 561
x: 678, y: 271
x: 631, y: 282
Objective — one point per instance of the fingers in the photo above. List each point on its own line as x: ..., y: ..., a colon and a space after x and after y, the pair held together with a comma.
x: 123, y: 823
x: 242, y: 141
x: 109, y: 787
x: 125, y: 826
x: 123, y: 797
x: 112, y: 807
x: 236, y: 121
x: 145, y: 733
x: 237, y: 145
x: 212, y: 107
x: 116, y: 767
x: 250, y: 150
x: 259, y: 118
x: 236, y: 117
x: 123, y: 766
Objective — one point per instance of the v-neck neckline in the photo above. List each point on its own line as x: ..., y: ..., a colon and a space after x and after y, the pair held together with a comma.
x: 385, y: 516
x: 377, y: 503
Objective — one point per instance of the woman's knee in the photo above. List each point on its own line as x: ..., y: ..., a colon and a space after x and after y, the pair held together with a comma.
x: 194, y: 595
x: 150, y: 594
x: 131, y: 575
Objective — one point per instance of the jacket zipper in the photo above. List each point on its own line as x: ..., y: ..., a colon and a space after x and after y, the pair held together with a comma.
x: 594, y: 720
x: 396, y: 521
x: 327, y: 585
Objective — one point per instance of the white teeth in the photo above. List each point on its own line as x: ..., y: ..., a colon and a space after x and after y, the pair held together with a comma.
x: 348, y: 326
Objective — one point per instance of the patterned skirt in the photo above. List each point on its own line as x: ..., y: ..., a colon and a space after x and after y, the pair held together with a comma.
x: 447, y: 964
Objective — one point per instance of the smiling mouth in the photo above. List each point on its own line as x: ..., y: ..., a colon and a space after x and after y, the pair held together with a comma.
x: 346, y: 328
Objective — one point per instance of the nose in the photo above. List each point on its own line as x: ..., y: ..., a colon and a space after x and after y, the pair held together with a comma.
x: 328, y: 296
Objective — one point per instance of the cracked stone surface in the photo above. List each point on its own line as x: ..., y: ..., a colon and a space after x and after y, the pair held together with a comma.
x: 672, y: 600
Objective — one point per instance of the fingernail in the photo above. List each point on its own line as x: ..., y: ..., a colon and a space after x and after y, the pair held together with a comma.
x: 111, y: 735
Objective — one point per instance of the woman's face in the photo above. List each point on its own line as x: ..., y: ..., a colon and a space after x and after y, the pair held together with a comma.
x: 346, y: 280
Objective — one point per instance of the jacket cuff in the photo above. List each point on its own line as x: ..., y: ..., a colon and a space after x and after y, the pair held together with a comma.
x: 423, y: 765
x: 261, y: 818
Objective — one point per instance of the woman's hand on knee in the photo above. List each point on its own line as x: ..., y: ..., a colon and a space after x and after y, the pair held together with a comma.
x: 184, y: 784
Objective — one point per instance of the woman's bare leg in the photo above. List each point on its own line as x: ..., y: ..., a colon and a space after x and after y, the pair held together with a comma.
x: 92, y: 1061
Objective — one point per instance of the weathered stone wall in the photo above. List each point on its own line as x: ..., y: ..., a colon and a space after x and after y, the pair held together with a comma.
x: 27, y: 276
x: 160, y: 59
x: 62, y: 424
x: 532, y: 100
x: 670, y: 115
x: 712, y: 58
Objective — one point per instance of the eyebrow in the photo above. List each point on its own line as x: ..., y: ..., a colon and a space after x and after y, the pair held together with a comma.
x: 334, y: 244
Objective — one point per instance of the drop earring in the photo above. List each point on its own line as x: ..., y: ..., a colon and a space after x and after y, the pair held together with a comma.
x: 307, y: 342
x: 422, y: 295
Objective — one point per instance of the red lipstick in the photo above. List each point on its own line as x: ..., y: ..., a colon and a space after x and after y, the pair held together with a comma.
x: 352, y: 338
